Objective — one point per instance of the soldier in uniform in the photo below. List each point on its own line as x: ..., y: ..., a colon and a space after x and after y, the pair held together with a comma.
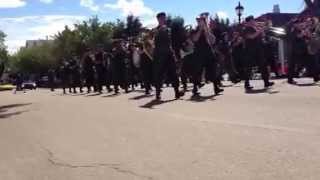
x: 64, y: 73
x: 51, y: 78
x: 119, y: 67
x: 238, y: 51
x: 254, y: 52
x: 88, y: 70
x: 75, y: 75
x: 164, y: 58
x: 205, y: 56
x: 107, y: 71
x: 98, y: 65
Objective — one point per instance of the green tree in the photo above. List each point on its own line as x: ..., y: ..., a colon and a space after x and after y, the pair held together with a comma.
x: 88, y: 34
x: 178, y: 31
x: 35, y: 60
x: 3, y: 53
x: 133, y: 26
x: 119, y: 30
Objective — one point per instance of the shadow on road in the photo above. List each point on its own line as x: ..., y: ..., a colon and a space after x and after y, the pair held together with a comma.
x: 153, y: 103
x: 141, y: 97
x: 93, y: 95
x: 261, y: 91
x: 307, y: 85
x: 202, y: 98
x: 112, y: 95
x: 4, y: 109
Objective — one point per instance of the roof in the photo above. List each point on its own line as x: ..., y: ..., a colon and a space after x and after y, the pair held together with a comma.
x: 278, y: 19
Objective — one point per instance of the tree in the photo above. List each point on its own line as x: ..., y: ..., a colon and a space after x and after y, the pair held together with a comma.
x: 119, y: 30
x: 88, y: 34
x: 133, y: 26
x: 178, y: 31
x: 35, y: 60
x: 3, y: 53
x: 222, y: 24
x: 313, y: 6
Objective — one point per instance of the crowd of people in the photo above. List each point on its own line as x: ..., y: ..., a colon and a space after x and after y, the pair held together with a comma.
x: 203, y: 55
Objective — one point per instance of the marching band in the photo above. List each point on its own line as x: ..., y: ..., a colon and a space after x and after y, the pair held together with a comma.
x: 202, y: 55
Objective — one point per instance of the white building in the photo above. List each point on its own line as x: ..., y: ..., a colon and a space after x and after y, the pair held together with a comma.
x: 35, y: 43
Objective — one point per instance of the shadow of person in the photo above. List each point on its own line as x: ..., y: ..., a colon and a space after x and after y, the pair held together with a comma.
x: 141, y: 97
x: 262, y: 91
x: 307, y: 85
x: 112, y: 95
x: 7, y: 115
x: 202, y: 98
x: 153, y: 103
x: 77, y: 94
x: 257, y: 91
x: 5, y: 108
x: 93, y: 95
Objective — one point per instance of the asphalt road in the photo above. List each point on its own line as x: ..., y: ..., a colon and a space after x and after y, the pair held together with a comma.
x: 263, y: 135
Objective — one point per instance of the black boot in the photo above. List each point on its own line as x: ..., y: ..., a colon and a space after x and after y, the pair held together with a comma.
x: 247, y: 86
x: 158, y: 95
x: 268, y: 84
x: 178, y: 94
x: 292, y: 82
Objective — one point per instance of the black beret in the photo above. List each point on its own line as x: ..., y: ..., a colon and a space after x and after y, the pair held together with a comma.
x: 249, y: 18
x: 161, y: 14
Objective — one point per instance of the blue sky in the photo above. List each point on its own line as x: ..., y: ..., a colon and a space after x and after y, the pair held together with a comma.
x: 35, y: 19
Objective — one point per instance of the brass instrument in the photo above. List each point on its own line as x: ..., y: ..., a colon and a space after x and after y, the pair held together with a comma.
x: 265, y: 26
x: 211, y: 39
x: 148, y: 44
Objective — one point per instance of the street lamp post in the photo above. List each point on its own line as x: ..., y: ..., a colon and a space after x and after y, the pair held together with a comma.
x: 239, y: 11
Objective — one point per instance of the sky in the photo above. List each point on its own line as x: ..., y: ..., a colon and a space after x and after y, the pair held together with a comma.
x: 25, y: 20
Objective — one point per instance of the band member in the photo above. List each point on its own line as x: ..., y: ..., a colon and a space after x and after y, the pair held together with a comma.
x: 204, y: 55
x: 134, y: 66
x: 119, y: 67
x: 51, y: 79
x: 88, y: 70
x: 146, y: 65
x: 75, y: 75
x: 270, y: 49
x: 164, y: 58
x: 188, y: 62
x: 226, y: 62
x: 108, y: 71
x: 238, y: 51
x: 64, y: 73
x: 298, y: 51
x: 98, y: 65
x: 254, y: 52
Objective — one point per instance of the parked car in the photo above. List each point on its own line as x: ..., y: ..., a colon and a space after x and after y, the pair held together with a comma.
x: 43, y: 82
x: 29, y: 85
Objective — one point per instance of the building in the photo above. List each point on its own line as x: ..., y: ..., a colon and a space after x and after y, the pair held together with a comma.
x: 276, y: 8
x: 35, y: 43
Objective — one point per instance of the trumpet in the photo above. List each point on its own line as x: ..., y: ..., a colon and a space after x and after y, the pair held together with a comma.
x: 266, y: 26
x: 148, y: 44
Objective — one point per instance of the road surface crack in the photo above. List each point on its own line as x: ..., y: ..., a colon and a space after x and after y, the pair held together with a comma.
x: 116, y: 167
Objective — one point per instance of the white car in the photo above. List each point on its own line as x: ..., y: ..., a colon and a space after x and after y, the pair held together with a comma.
x: 29, y: 85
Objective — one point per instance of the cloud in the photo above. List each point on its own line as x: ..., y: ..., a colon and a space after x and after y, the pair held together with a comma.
x: 24, y: 28
x: 134, y: 7
x: 222, y: 14
x: 12, y: 3
x: 90, y: 4
x: 46, y: 1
